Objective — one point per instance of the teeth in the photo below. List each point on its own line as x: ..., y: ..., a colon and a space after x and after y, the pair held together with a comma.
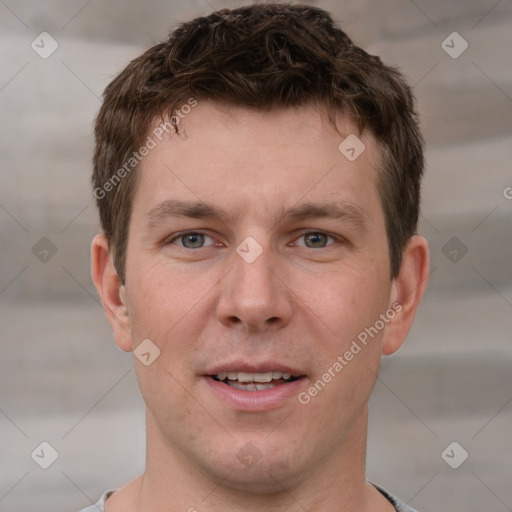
x: 251, y: 386
x: 253, y: 377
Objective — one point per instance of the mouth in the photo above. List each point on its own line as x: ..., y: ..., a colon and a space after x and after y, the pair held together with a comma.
x: 254, y: 386
x: 246, y: 381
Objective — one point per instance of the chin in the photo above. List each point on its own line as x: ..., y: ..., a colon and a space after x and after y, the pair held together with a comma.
x: 251, y: 470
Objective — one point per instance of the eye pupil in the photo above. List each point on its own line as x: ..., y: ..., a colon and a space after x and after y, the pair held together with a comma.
x: 193, y: 240
x: 316, y: 239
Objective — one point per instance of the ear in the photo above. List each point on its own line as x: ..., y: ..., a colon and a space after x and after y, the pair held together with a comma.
x: 407, y: 292
x: 111, y: 291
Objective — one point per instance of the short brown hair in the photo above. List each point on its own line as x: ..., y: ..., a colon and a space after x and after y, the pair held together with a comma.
x: 263, y: 56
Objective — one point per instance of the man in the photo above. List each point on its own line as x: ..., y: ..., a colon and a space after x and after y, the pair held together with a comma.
x: 258, y: 182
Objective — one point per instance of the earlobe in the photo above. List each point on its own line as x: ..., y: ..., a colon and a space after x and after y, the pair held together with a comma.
x: 407, y: 291
x: 111, y: 291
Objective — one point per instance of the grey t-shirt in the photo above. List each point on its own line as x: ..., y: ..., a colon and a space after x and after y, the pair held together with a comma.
x: 399, y: 506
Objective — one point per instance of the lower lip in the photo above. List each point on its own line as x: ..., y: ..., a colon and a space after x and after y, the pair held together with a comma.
x: 255, y: 400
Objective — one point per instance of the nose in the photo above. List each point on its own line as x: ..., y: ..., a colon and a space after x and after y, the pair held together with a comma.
x: 254, y: 296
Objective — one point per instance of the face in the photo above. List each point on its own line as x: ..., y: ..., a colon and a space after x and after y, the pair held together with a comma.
x: 257, y: 254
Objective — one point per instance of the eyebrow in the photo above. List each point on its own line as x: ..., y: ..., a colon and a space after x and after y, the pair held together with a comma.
x: 172, y: 208
x: 333, y: 210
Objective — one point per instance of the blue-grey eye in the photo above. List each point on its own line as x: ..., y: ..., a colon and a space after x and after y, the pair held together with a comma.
x: 315, y: 239
x: 192, y: 240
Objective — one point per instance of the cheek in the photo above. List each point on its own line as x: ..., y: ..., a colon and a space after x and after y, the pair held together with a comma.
x: 169, y: 312
x: 163, y: 301
x: 169, y: 309
x: 347, y: 300
x: 352, y: 306
x: 348, y: 303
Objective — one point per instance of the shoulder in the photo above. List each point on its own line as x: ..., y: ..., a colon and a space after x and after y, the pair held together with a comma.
x: 399, y: 505
x: 100, y: 505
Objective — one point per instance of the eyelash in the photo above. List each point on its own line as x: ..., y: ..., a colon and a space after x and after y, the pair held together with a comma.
x: 187, y: 233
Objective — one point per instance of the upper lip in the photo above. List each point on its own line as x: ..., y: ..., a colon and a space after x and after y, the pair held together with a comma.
x: 252, y: 367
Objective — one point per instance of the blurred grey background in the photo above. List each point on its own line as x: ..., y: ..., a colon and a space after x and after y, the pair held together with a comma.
x: 62, y: 380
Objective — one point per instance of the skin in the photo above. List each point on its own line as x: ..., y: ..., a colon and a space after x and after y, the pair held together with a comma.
x: 301, y: 302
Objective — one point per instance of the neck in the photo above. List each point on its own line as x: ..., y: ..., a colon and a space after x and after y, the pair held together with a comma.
x: 171, y: 483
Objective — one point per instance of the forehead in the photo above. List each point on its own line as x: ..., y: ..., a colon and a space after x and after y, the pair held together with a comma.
x: 257, y: 163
